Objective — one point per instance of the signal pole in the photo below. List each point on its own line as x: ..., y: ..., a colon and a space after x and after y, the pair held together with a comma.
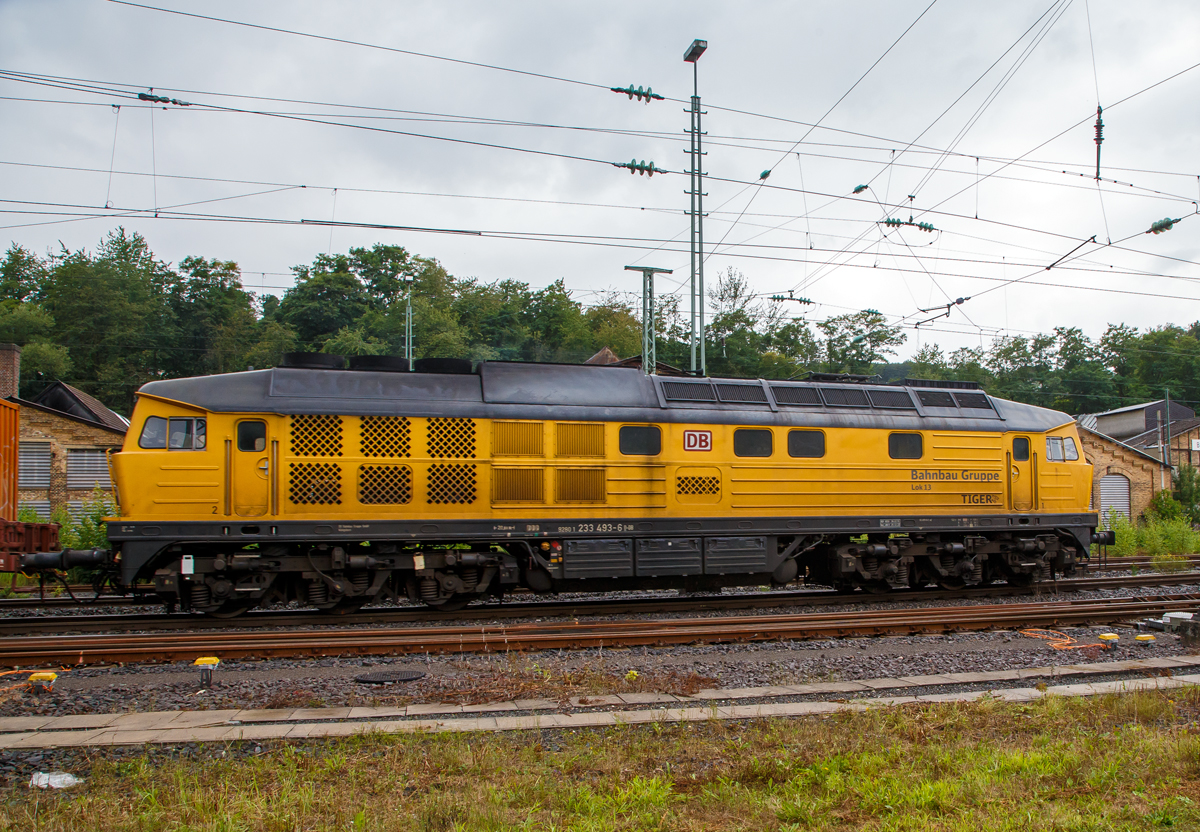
x: 649, y: 348
x: 696, y: 191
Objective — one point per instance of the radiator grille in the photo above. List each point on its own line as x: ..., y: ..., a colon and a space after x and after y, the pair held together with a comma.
x: 315, y: 483
x: 453, y: 438
x: 388, y: 436
x: 891, y: 399
x: 935, y: 398
x: 579, y: 485
x: 977, y: 401
x: 744, y: 393
x: 517, y: 438
x: 518, y: 485
x: 842, y: 397
x: 688, y: 391
x: 316, y: 436
x: 578, y: 439
x: 800, y: 396
x: 385, y: 484
x: 451, y: 484
x: 698, y: 486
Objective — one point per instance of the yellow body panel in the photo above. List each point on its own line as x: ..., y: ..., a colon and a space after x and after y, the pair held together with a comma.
x: 351, y: 468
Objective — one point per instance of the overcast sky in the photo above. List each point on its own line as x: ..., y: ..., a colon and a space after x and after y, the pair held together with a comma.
x: 784, y: 65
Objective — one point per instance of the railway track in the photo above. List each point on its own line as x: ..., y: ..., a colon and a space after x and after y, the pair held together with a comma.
x: 129, y: 622
x: 529, y: 636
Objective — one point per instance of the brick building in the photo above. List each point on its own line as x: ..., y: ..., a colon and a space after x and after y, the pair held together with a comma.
x: 64, y: 441
x: 1124, y: 478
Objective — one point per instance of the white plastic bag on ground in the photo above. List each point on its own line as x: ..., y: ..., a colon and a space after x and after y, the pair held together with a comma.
x: 53, y: 780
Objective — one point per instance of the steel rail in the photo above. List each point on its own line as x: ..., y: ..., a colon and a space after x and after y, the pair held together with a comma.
x: 92, y: 649
x: 590, y: 607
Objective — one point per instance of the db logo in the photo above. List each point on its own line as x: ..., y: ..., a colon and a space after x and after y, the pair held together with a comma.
x: 697, y: 440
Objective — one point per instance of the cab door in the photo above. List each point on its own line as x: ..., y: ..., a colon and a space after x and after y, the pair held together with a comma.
x: 1020, y: 473
x: 251, y: 469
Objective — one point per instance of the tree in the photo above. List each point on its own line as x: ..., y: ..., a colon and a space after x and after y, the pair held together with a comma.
x: 327, y: 298
x: 855, y: 341
x: 21, y: 273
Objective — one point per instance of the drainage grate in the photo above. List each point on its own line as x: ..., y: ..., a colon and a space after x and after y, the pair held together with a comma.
x: 383, y: 677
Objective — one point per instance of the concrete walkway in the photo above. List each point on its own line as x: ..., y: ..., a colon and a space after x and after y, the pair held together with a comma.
x: 169, y: 727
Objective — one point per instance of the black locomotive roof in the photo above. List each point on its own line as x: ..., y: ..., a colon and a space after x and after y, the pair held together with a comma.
x: 583, y: 392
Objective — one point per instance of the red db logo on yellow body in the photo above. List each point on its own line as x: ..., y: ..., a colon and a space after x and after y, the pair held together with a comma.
x: 697, y: 440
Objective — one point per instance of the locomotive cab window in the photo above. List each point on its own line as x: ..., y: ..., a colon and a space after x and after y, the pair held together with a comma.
x: 1021, y: 449
x: 252, y: 436
x: 1054, y: 449
x: 173, y: 434
x: 640, y: 440
x: 1071, y: 452
x: 905, y: 446
x: 752, y: 442
x: 808, y: 444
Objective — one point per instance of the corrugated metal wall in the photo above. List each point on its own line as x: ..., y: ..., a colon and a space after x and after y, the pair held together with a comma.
x: 1114, y: 495
x: 87, y: 468
x: 34, y: 465
x: 10, y: 422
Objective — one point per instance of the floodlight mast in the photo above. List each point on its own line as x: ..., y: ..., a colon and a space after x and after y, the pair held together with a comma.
x: 696, y: 191
x: 649, y: 349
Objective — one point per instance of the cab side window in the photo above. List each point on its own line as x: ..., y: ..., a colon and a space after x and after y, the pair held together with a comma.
x: 174, y: 434
x: 640, y: 440
x: 752, y: 442
x: 252, y: 436
x: 1021, y: 449
x: 905, y: 446
x: 1072, y: 452
x: 1054, y: 449
x: 808, y: 444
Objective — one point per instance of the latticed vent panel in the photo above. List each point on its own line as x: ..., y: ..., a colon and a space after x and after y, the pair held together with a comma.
x: 891, y: 399
x: 799, y: 396
x: 451, y: 438
x: 979, y: 401
x: 451, y: 484
x: 744, y: 393
x: 577, y: 439
x: 388, y: 436
x: 316, y: 436
x: 843, y: 397
x: 684, y: 391
x: 518, y: 485
x: 698, y: 486
x: 385, y: 484
x: 935, y: 398
x: 315, y: 483
x: 517, y: 438
x: 579, y: 485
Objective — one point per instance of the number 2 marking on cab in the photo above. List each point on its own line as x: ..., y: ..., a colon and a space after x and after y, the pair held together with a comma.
x: 697, y: 440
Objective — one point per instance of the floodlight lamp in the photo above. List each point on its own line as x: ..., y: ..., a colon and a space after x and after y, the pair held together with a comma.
x: 695, y: 51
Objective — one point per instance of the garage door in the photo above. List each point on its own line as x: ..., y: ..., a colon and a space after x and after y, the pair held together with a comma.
x: 87, y: 468
x: 1114, y: 495
x: 33, y: 465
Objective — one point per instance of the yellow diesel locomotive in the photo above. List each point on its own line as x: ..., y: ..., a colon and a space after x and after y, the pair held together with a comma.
x: 331, y: 486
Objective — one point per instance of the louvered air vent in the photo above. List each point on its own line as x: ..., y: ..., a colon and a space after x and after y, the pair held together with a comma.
x: 891, y: 400
x: 935, y: 398
x: 844, y: 397
x: 688, y: 391
x: 796, y: 396
x: 742, y: 393
x: 976, y: 401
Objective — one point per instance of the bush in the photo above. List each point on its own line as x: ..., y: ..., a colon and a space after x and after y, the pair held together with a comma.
x: 89, y: 531
x: 1154, y: 536
x: 1126, y: 544
x: 1165, y: 507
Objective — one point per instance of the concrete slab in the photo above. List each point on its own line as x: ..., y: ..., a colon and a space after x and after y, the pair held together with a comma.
x: 264, y: 715
x: 59, y: 739
x: 145, y: 721
x: 961, y: 696
x: 15, y: 740
x: 971, y: 678
x: 646, y: 698
x: 20, y: 724
x: 489, y: 707
x: 432, y: 708
x: 886, y: 684
x: 377, y: 713
x: 259, y: 731
x: 594, y: 701
x: 1017, y: 694
x: 329, y: 729
x: 202, y: 719
x: 301, y: 714
x: 889, y: 701
x: 1191, y: 660
x: 535, y: 704
x: 67, y: 723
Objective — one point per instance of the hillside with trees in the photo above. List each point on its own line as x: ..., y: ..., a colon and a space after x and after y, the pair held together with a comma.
x: 109, y: 320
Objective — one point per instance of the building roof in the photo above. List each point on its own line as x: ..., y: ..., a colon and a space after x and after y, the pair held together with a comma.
x: 1124, y: 445
x: 64, y: 400
x: 1153, y: 438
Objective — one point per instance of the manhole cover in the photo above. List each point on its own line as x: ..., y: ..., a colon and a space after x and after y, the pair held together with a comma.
x: 383, y: 677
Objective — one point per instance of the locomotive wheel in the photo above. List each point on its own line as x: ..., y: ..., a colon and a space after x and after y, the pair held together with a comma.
x: 454, y: 602
x: 877, y: 587
x: 233, y: 608
x: 1020, y: 579
x: 951, y: 583
x: 345, y: 606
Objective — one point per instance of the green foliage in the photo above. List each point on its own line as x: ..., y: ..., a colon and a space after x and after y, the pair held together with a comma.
x: 196, y: 318
x: 1164, y: 507
x: 1186, y: 482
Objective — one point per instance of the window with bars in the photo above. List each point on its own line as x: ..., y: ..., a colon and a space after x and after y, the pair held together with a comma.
x: 316, y: 435
x: 451, y: 438
x: 385, y: 436
x: 385, y: 484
